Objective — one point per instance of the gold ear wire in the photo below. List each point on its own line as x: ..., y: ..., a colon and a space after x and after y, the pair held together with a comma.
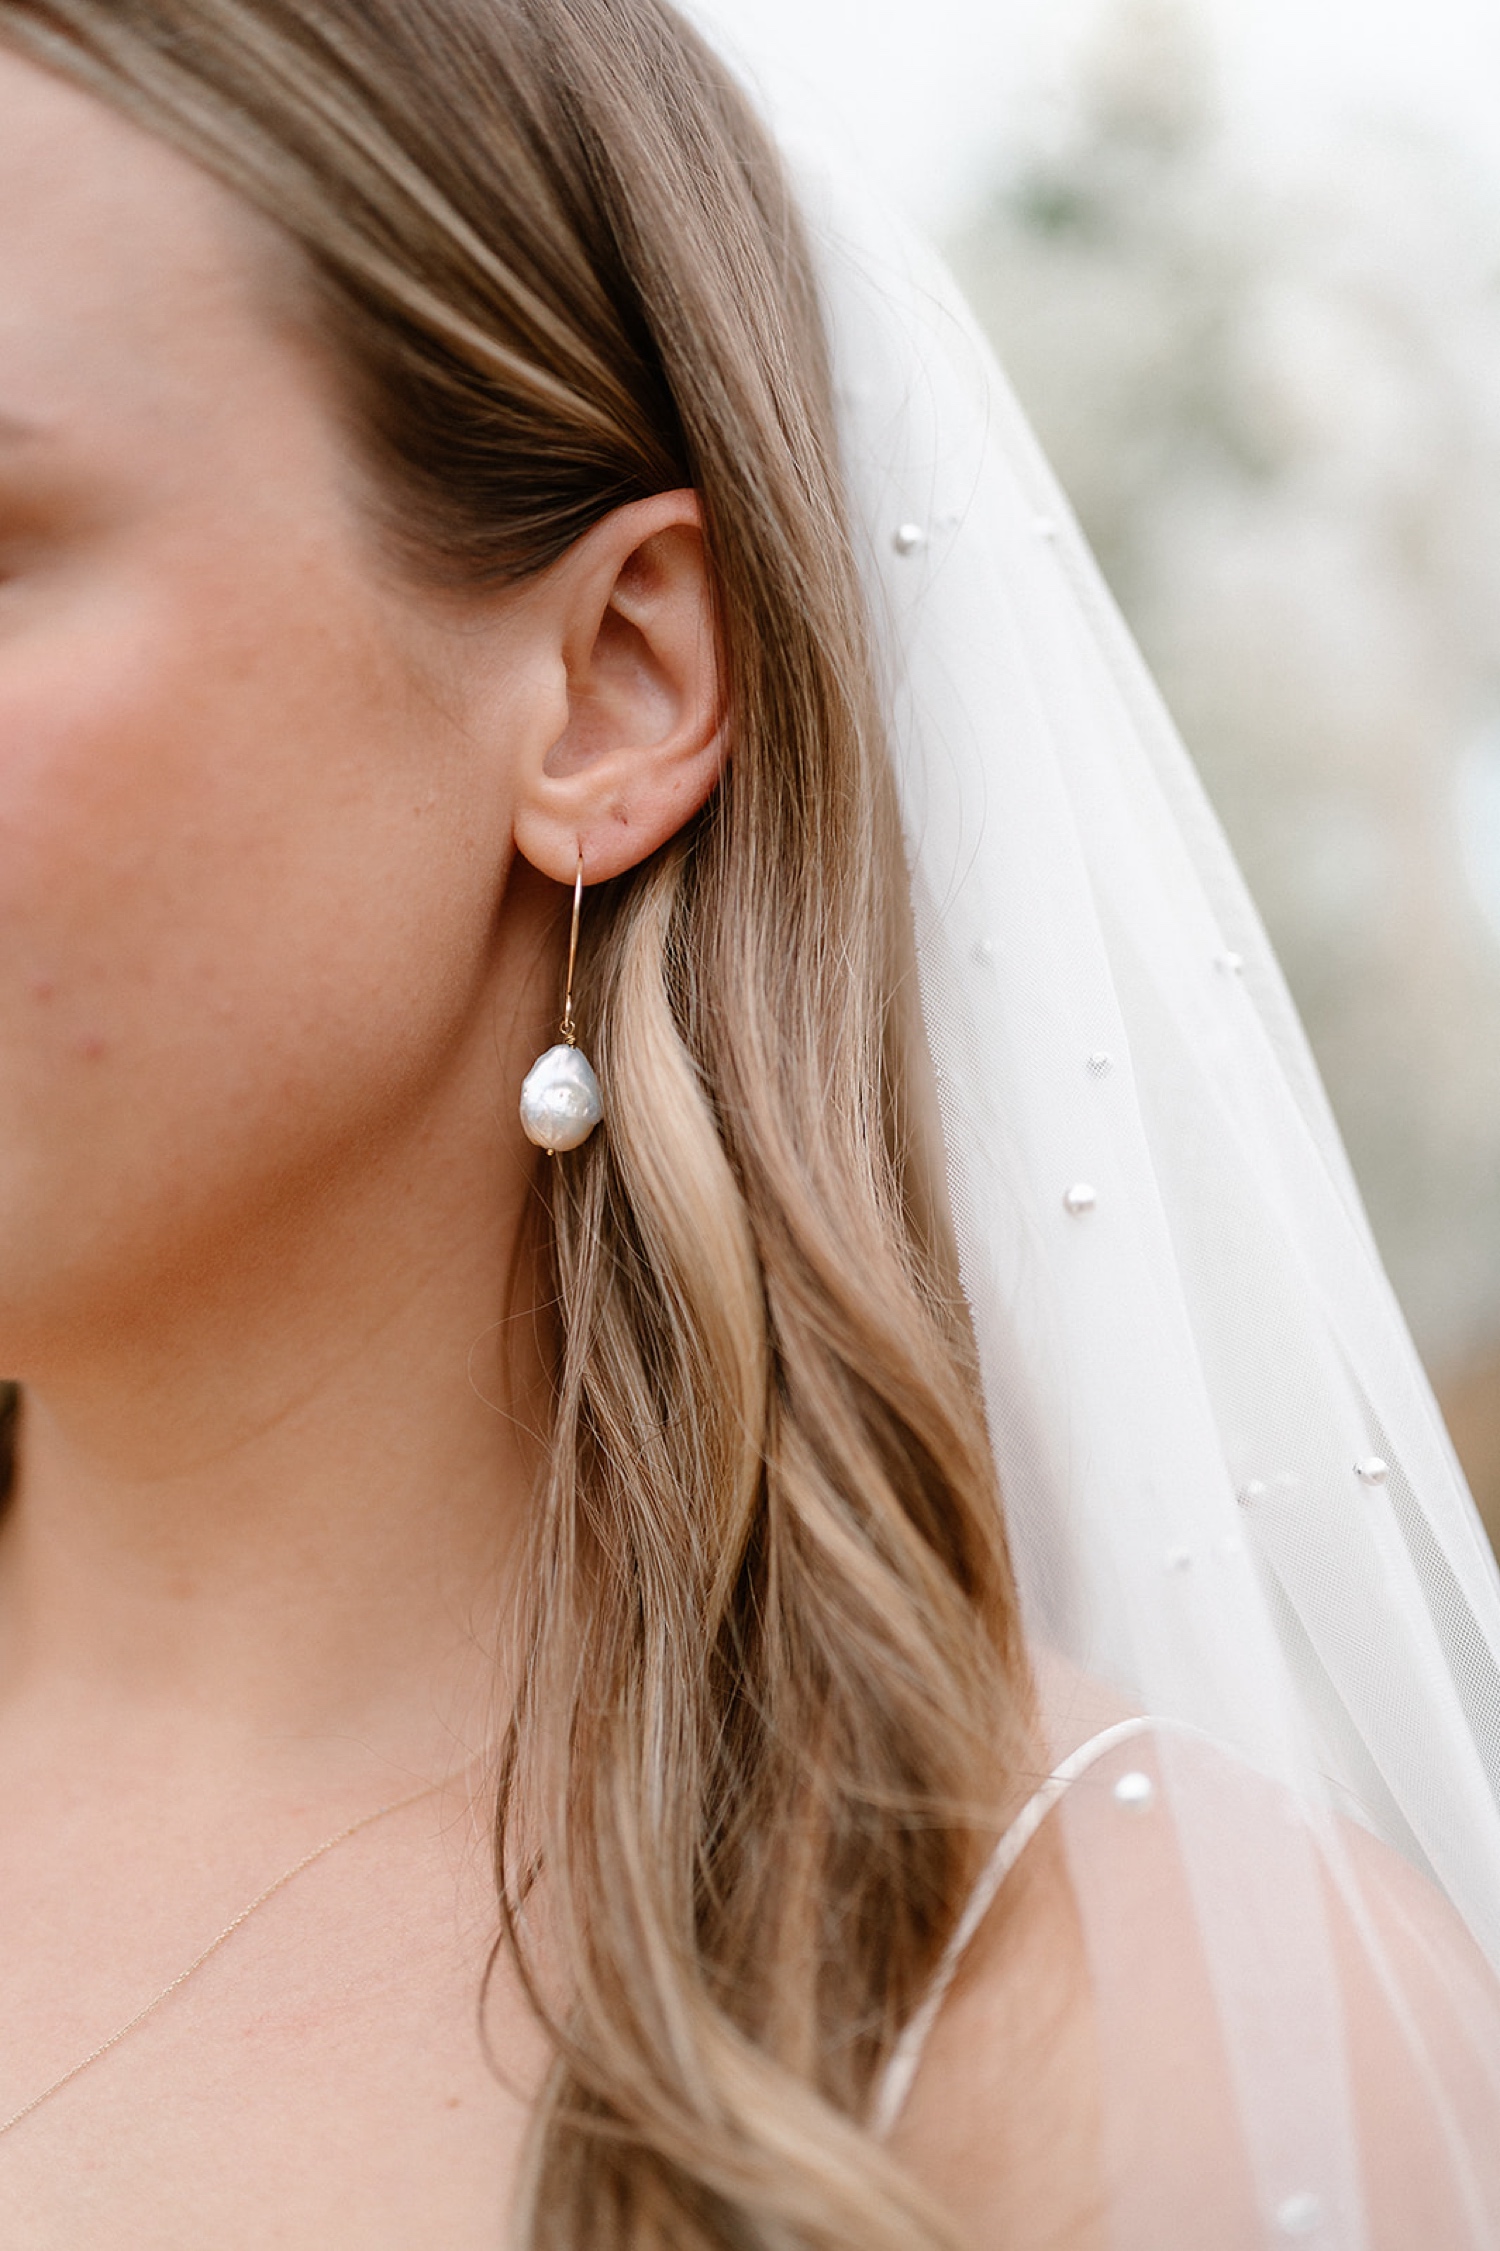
x: 568, y: 1027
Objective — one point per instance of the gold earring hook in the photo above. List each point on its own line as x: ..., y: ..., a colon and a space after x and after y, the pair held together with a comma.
x: 569, y: 1029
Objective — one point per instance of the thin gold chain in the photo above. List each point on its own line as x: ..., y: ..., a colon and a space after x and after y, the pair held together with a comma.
x: 329, y: 1844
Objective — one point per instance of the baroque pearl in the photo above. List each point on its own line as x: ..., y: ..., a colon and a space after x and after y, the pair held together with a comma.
x: 1372, y: 1472
x: 1134, y: 1792
x: 910, y: 539
x: 560, y: 1100
x: 1080, y: 1199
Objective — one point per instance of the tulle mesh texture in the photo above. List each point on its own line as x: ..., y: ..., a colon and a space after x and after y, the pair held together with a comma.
x: 1231, y: 1498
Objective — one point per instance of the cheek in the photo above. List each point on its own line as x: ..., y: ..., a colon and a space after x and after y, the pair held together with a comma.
x: 244, y: 907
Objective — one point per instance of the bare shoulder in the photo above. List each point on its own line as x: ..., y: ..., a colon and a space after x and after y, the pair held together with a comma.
x: 1015, y: 2120
x: 1074, y: 2095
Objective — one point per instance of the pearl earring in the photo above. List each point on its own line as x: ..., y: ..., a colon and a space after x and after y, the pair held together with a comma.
x: 560, y: 1100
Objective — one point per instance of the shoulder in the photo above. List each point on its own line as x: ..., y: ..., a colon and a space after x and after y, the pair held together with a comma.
x: 1076, y: 2089
x: 1014, y: 2117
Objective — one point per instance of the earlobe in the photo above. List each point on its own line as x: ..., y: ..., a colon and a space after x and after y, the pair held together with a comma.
x: 643, y: 741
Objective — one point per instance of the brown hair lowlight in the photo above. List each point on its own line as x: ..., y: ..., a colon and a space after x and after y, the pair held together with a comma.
x: 773, y: 1676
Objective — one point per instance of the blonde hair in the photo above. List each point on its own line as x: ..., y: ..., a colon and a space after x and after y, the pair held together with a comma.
x: 774, y: 1674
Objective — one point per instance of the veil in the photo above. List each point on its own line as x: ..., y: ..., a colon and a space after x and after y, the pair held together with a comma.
x: 1231, y: 1501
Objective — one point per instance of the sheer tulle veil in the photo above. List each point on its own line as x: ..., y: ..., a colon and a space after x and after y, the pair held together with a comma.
x: 1231, y: 1500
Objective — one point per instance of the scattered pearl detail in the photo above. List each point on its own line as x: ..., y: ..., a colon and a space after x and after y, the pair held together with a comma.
x: 1135, y: 1792
x: 1080, y: 1199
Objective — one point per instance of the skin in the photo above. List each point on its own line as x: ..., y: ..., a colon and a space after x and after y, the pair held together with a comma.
x: 1059, y: 2109
x: 282, y: 848
x: 285, y: 846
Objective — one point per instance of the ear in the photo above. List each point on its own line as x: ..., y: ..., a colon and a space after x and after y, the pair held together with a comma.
x: 631, y: 620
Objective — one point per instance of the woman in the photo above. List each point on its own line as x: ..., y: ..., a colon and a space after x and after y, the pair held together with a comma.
x: 423, y: 515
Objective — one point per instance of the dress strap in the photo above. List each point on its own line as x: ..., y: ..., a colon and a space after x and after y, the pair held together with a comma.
x: 896, y: 2082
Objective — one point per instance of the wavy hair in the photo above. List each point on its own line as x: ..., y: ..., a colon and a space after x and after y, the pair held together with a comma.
x: 773, y: 1672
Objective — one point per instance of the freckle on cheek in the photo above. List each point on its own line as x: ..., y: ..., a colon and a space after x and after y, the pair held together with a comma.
x: 91, y: 1047
x: 42, y: 988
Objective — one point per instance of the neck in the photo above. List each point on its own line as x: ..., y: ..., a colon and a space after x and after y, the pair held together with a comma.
x: 278, y: 1515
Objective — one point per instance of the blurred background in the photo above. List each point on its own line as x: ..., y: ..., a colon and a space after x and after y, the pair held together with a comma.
x: 1242, y: 261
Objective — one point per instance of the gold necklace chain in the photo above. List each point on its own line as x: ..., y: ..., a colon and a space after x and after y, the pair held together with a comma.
x: 329, y: 1844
